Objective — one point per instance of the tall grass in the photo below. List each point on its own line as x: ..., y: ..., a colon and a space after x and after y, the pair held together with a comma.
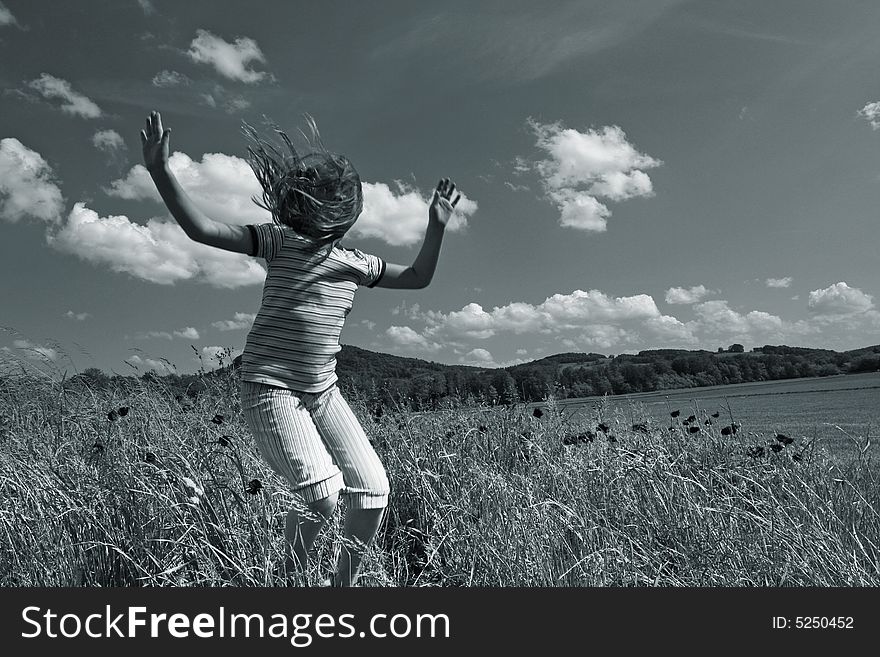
x: 173, y: 492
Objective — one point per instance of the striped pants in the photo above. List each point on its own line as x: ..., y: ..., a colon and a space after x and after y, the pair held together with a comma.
x: 316, y: 442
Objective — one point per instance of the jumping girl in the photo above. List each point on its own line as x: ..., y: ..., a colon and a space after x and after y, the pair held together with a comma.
x: 302, y: 425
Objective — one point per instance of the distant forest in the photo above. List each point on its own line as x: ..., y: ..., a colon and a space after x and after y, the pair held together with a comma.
x: 386, y: 380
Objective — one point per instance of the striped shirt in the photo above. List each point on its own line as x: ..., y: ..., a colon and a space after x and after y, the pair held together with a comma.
x: 306, y: 298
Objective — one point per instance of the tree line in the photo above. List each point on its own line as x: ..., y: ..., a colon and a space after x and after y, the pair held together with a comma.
x: 383, y: 380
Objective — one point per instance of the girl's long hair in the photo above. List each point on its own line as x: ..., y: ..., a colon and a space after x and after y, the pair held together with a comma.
x: 318, y: 195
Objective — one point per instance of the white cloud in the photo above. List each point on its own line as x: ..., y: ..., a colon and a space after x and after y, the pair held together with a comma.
x: 238, y: 322
x: 411, y: 310
x: 6, y: 17
x: 681, y: 295
x: 220, y: 185
x: 159, y: 252
x: 839, y: 299
x: 217, y: 356
x: 406, y: 338
x: 36, y: 351
x: 584, y: 167
x: 779, y: 282
x: 871, y: 113
x: 665, y: 330
x: 112, y: 144
x: 400, y: 218
x: 108, y: 140
x: 560, y: 312
x: 149, y: 335
x: 80, y: 317
x: 371, y: 325
x: 719, y: 320
x: 159, y: 366
x: 27, y: 185
x: 231, y: 60
x: 188, y: 333
x: 479, y: 358
x: 72, y: 102
x: 223, y: 186
x: 166, y: 78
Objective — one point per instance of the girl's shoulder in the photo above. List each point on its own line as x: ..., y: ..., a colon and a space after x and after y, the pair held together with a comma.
x: 349, y: 254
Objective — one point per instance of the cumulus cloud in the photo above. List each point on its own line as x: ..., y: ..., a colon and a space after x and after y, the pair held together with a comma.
x: 35, y: 351
x: 584, y: 167
x: 166, y: 78
x: 108, y: 141
x: 839, y: 299
x: 217, y: 356
x: 779, y: 282
x: 871, y: 113
x: 80, y: 317
x: 681, y: 295
x: 479, y: 358
x: 399, y: 218
x: 719, y: 319
x: 159, y: 366
x: 187, y: 333
x: 27, y: 185
x: 159, y: 252
x: 232, y: 60
x: 559, y: 312
x: 406, y: 338
x: 149, y: 335
x: 239, y: 321
x: 221, y: 185
x: 72, y: 102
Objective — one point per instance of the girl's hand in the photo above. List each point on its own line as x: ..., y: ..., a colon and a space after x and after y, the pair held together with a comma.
x: 155, y: 143
x: 441, y: 207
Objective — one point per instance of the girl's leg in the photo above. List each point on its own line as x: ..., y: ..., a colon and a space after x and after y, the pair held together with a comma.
x: 288, y: 440
x: 366, y: 484
x: 301, y: 530
x: 361, y: 526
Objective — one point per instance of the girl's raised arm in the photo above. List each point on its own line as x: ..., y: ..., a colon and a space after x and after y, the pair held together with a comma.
x: 420, y: 273
x: 197, y: 225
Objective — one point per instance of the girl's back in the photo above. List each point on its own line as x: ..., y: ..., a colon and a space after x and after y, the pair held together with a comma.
x: 306, y: 298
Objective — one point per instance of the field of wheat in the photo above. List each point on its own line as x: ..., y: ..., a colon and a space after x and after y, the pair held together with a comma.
x: 133, y: 485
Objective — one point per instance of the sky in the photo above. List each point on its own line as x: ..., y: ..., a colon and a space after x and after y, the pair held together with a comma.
x: 635, y: 174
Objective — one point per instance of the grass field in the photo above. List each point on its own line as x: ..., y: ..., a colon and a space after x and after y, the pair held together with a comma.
x: 836, y: 412
x: 170, y: 491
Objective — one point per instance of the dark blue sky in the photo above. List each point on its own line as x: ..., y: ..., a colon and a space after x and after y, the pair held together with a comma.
x: 636, y: 174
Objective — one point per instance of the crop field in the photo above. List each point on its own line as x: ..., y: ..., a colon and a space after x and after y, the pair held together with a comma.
x: 132, y: 485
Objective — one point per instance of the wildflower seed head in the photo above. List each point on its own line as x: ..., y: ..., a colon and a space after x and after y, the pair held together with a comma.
x: 193, y: 486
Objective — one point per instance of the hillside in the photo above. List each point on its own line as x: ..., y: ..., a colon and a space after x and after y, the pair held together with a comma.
x: 383, y: 379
